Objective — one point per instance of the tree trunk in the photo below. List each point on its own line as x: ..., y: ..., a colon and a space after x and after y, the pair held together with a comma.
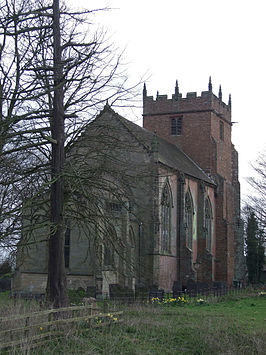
x: 56, y: 283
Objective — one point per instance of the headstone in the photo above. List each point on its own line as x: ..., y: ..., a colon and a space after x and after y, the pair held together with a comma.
x: 5, y: 284
x: 156, y: 293
x: 177, y: 289
x: 91, y: 291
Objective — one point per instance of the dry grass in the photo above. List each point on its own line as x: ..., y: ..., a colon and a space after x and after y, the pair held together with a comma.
x: 234, y: 325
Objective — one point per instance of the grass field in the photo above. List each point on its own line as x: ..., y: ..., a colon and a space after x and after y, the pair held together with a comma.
x: 233, y: 325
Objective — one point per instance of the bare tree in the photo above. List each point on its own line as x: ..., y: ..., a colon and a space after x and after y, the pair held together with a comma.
x: 56, y: 284
x: 19, y: 131
x: 53, y: 78
x: 258, y: 199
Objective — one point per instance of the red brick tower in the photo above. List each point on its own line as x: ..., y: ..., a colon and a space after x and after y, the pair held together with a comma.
x: 201, y: 127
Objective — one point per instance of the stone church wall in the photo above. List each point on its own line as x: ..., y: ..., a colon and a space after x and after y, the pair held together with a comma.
x: 35, y: 283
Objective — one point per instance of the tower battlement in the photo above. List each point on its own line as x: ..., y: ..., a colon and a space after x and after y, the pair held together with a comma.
x: 207, y: 101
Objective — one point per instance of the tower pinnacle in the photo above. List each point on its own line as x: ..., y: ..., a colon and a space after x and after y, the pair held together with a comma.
x: 176, y: 90
x: 144, y: 90
x: 210, y: 84
x: 220, y: 93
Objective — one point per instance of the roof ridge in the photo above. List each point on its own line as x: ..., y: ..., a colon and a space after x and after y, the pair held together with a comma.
x: 124, y: 121
x: 187, y: 165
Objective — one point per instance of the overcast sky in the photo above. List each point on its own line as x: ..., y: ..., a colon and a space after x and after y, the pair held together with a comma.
x: 190, y: 40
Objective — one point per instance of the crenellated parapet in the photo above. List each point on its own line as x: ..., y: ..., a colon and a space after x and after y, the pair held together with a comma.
x: 177, y: 104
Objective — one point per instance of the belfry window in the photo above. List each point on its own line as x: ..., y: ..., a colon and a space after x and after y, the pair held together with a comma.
x: 165, y: 219
x: 208, y: 224
x: 176, y: 126
x: 189, y: 219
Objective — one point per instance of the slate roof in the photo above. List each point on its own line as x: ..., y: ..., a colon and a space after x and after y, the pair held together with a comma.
x: 168, y: 153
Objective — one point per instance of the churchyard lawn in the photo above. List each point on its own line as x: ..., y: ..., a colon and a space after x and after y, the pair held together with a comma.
x: 225, y: 325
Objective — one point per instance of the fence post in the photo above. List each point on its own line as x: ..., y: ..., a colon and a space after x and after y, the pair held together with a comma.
x: 50, y: 317
x: 27, y: 321
x: 90, y: 313
x: 73, y: 313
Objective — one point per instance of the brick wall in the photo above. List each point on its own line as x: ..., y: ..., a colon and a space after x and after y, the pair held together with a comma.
x: 206, y: 138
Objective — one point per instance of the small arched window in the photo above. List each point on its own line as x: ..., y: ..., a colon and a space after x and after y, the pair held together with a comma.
x: 165, y: 219
x: 208, y: 223
x: 189, y: 219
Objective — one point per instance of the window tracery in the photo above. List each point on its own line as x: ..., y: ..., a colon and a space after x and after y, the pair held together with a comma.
x: 131, y: 251
x: 208, y: 224
x: 165, y: 219
x: 109, y: 252
x: 189, y: 219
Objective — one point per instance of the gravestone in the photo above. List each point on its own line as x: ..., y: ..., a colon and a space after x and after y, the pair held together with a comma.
x: 155, y: 292
x: 177, y: 289
x: 5, y: 284
x: 91, y: 291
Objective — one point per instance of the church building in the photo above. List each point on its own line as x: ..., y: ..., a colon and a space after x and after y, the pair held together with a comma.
x: 162, y: 202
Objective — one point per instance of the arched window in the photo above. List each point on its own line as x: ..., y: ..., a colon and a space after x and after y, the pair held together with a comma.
x: 165, y: 219
x: 189, y: 219
x: 109, y: 252
x: 131, y: 251
x: 208, y: 223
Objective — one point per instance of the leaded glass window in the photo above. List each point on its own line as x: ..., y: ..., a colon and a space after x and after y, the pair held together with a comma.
x: 176, y: 126
x: 208, y: 224
x: 109, y: 252
x: 165, y: 219
x: 189, y: 219
x: 131, y: 251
